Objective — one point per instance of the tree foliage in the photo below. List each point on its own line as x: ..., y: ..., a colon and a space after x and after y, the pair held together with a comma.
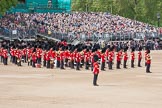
x: 142, y: 10
x: 6, y: 4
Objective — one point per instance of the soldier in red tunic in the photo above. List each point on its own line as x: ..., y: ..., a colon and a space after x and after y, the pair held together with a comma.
x: 139, y: 57
x: 98, y: 52
x: 74, y: 55
x: 111, y: 57
x: 5, y: 56
x: 72, y: 58
x: 146, y: 56
x: 118, y: 59
x: 132, y: 58
x: 39, y: 55
x: 44, y: 58
x: 87, y: 59
x: 125, y: 57
x: 78, y: 58
x: 95, y: 70
x: 66, y: 55
x: 52, y: 58
x: 107, y: 53
x: 58, y: 58
x: 1, y: 51
x: 92, y: 57
x: 19, y: 56
x: 29, y: 54
x: 62, y: 58
x: 34, y: 58
x: 24, y: 52
x: 48, y: 59
x: 11, y: 53
x: 103, y: 59
x: 15, y: 56
x: 148, y: 60
x: 81, y: 59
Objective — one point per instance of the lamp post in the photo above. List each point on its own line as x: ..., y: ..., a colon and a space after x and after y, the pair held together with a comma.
x: 158, y: 17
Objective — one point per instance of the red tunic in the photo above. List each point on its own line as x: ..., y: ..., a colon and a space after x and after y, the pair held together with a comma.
x: 92, y: 59
x: 82, y: 56
x: 44, y: 55
x: 132, y: 56
x: 34, y: 57
x: 145, y: 54
x: 15, y: 52
x: 1, y: 51
x: 12, y: 52
x: 39, y: 53
x: 48, y: 56
x: 78, y: 57
x: 103, y: 57
x: 95, y: 68
x: 148, y: 59
x: 125, y: 56
x: 75, y: 52
x: 71, y: 56
x: 87, y: 57
x: 139, y: 55
x: 29, y: 53
x: 58, y: 56
x: 99, y: 54
x: 24, y: 51
x: 107, y: 53
x: 111, y: 55
x: 5, y: 53
x: 118, y: 56
x: 19, y: 54
x: 62, y: 55
x: 53, y: 54
x: 66, y: 54
x: 121, y: 55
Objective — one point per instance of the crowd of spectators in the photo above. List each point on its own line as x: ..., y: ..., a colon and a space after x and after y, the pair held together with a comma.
x: 76, y: 23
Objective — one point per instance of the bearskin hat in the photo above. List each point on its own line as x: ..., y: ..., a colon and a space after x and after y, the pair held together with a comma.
x: 140, y: 48
x: 95, y: 57
x: 133, y: 49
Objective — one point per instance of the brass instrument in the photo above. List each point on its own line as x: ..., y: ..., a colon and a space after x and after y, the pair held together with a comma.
x: 18, y: 60
x: 52, y: 61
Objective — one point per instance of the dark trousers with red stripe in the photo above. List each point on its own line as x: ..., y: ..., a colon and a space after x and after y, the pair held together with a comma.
x: 48, y: 64
x: 132, y: 63
x: 125, y: 64
x: 148, y: 67
x: 1, y: 59
x: 4, y: 61
x: 44, y: 63
x: 95, y: 79
x: 77, y: 65
x: 72, y: 64
x: 87, y: 65
x: 139, y: 62
x: 110, y: 64
x: 58, y: 64
x: 62, y: 64
x: 103, y: 66
x: 118, y: 65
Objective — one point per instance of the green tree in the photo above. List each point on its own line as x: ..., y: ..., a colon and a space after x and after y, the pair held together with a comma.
x: 142, y: 10
x: 6, y: 5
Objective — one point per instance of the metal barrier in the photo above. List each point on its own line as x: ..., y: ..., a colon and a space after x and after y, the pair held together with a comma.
x: 70, y: 36
x: 17, y: 33
x: 104, y: 36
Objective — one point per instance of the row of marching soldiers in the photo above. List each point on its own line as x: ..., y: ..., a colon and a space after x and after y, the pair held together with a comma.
x: 72, y: 57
